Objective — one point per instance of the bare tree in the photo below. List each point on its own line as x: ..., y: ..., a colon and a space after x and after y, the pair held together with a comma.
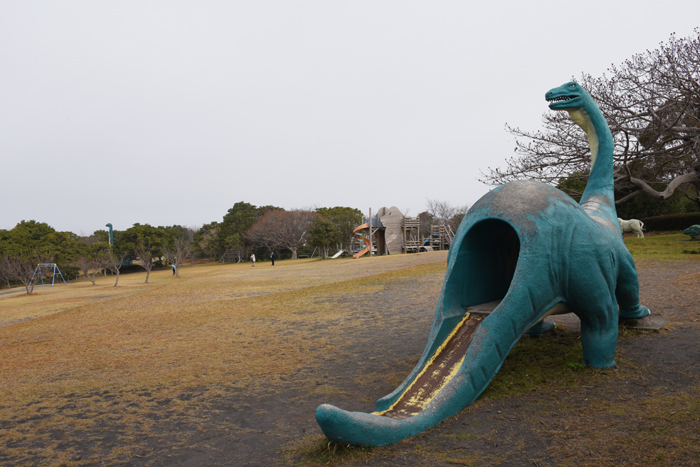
x: 282, y: 229
x: 143, y: 253
x: 91, y: 258
x: 261, y: 234
x: 22, y: 268
x: 443, y: 213
x: 239, y: 253
x: 191, y: 233
x: 91, y: 264
x: 179, y: 250
x: 5, y: 274
x: 652, y: 105
x: 114, y: 261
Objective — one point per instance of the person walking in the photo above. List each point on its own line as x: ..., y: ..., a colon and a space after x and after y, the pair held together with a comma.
x: 252, y: 259
x: 272, y: 258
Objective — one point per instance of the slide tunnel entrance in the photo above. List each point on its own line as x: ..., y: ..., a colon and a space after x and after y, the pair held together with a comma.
x: 484, y: 266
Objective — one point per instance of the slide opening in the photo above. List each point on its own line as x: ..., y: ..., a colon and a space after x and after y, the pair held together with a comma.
x: 484, y: 266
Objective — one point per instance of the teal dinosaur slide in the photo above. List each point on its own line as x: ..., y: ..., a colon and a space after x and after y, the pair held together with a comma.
x: 524, y: 251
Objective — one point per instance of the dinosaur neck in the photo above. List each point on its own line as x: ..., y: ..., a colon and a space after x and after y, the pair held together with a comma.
x: 598, y: 198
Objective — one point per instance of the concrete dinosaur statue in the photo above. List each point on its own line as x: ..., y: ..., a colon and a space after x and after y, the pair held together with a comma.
x: 693, y: 231
x: 111, y: 234
x: 523, y: 252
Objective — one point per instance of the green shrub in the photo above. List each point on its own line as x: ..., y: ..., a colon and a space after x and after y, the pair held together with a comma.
x: 671, y: 222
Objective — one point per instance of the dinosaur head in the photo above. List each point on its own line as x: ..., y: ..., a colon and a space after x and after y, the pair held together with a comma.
x: 569, y: 96
x: 576, y: 100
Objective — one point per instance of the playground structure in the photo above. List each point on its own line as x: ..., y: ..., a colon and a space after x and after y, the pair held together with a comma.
x: 391, y: 233
x: 231, y: 256
x: 440, y: 238
x: 338, y: 254
x: 54, y: 271
x: 365, y: 240
x: 374, y: 236
x: 523, y: 252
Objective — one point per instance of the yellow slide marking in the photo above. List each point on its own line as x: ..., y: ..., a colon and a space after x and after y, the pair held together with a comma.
x: 422, y: 398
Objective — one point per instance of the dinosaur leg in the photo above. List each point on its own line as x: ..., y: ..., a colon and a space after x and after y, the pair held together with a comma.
x: 591, y: 297
x: 593, y: 300
x: 627, y: 290
x: 599, y: 334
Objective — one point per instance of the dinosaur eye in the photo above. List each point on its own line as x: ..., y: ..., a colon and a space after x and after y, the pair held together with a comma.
x: 572, y: 85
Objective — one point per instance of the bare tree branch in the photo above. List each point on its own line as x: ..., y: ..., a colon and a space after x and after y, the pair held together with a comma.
x: 22, y: 268
x: 114, y: 261
x: 652, y: 104
x: 443, y: 213
x: 91, y: 265
x: 179, y: 250
x: 143, y: 252
x: 5, y: 273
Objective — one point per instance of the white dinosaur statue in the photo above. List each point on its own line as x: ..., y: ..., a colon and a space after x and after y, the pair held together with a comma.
x: 632, y: 225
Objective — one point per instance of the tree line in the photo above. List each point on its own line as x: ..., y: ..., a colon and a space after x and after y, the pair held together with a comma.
x: 30, y: 243
x: 244, y: 230
x: 247, y: 229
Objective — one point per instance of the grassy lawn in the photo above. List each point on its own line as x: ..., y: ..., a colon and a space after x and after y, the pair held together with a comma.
x: 218, y: 326
x: 79, y: 337
x: 673, y: 247
x: 234, y: 327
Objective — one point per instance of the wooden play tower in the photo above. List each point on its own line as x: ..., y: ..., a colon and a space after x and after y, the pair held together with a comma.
x: 440, y: 237
x: 392, y: 233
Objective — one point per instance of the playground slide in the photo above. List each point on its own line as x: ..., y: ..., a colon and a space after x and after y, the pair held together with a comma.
x: 363, y: 238
x: 337, y: 255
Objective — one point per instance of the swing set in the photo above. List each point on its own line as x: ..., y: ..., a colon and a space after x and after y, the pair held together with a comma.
x: 54, y: 271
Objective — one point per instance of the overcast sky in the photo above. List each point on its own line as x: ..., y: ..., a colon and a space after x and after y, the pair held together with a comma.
x: 171, y: 112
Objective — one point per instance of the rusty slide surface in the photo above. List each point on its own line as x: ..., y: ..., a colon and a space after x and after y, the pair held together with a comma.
x: 441, y: 368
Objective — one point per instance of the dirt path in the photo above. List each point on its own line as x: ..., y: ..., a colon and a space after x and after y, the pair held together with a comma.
x: 633, y: 414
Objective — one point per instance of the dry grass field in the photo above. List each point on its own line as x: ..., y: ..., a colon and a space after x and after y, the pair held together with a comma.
x: 75, y: 358
x: 227, y: 364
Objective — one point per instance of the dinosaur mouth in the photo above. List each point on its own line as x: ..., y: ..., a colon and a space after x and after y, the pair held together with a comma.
x: 560, y: 99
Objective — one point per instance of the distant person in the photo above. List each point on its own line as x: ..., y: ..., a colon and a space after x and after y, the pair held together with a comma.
x: 252, y: 259
x: 174, y: 269
x: 272, y: 258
